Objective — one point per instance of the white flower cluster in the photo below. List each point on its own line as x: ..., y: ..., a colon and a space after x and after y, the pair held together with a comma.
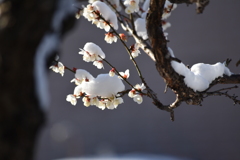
x: 92, y: 12
x: 110, y: 37
x: 58, y: 68
x: 100, y: 91
x: 91, y: 53
x: 135, y: 93
x: 131, y: 6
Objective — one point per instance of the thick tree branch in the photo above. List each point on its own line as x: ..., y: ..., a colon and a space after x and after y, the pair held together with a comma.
x: 163, y: 58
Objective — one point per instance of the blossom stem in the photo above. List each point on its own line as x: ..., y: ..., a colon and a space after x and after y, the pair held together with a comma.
x: 124, y: 44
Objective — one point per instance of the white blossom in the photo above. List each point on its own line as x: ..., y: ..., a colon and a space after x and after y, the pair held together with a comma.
x: 101, y: 105
x: 107, y: 13
x: 72, y: 99
x: 98, y: 64
x: 123, y: 37
x: 140, y: 87
x: 110, y: 37
x: 117, y: 101
x: 135, y: 50
x: 138, y: 98
x: 131, y: 6
x: 86, y: 101
x: 59, y: 68
x: 91, y: 52
x: 125, y: 74
x: 132, y: 93
x: 112, y: 72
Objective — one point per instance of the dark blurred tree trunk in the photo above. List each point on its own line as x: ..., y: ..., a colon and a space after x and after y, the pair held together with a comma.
x: 22, y: 26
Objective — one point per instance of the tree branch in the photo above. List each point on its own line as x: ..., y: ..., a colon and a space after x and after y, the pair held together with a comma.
x: 200, y: 4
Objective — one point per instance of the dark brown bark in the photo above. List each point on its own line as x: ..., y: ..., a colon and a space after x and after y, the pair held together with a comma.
x: 163, y: 58
x: 22, y: 26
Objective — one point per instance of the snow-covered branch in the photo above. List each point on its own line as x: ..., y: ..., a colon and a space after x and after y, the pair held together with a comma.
x: 145, y: 22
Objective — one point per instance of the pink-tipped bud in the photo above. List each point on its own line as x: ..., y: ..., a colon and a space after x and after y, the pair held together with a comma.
x: 123, y: 37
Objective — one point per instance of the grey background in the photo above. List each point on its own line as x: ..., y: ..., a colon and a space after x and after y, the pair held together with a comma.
x: 208, y: 132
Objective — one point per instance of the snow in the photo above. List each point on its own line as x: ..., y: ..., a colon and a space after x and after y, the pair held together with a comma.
x: 140, y: 26
x: 93, y: 49
x: 107, y: 13
x: 200, y: 75
x: 103, y: 85
x: 83, y: 74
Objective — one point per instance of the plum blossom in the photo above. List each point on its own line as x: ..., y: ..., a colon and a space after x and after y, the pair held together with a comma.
x: 92, y: 12
x: 131, y: 6
x: 125, y: 74
x: 72, y: 99
x: 93, y: 53
x: 110, y: 103
x: 135, y: 93
x: 132, y: 93
x: 123, y: 37
x: 135, y: 50
x: 98, y: 64
x: 86, y: 101
x: 88, y: 13
x: 138, y: 98
x: 112, y: 72
x: 58, y: 68
x: 110, y: 37
x: 140, y: 87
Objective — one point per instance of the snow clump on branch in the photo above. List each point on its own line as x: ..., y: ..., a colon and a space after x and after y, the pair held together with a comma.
x: 201, y: 75
x: 93, y: 53
x: 94, y: 11
x: 101, y: 91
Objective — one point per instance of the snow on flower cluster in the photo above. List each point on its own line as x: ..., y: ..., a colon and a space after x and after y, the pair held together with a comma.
x: 100, y: 91
x: 91, y: 53
x: 140, y: 23
x: 92, y: 11
x: 200, y: 75
x: 135, y: 93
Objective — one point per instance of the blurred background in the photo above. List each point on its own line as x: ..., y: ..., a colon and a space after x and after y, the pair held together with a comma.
x: 205, y: 132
